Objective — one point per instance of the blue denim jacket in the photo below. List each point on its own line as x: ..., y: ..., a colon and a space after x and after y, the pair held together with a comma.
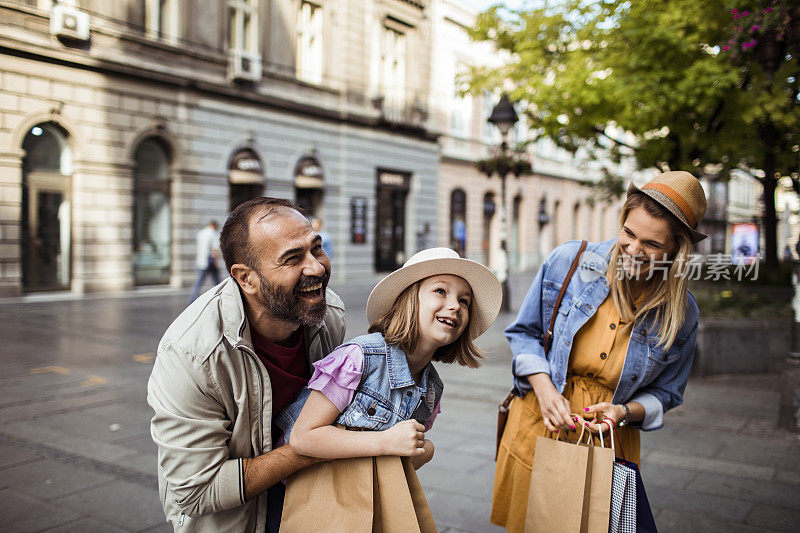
x: 652, y: 376
x: 386, y: 393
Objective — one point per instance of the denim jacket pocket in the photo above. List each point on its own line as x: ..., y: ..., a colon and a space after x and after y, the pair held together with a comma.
x: 370, y: 412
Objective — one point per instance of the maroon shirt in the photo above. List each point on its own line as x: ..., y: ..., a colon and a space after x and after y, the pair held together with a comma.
x: 287, y: 368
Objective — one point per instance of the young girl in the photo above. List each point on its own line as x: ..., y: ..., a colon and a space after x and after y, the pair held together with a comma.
x: 431, y: 309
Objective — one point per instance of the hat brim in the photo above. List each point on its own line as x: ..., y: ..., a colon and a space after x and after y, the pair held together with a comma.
x: 695, y: 235
x: 487, y: 293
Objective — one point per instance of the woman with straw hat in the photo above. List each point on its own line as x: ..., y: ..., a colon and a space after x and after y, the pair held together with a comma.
x: 623, y: 338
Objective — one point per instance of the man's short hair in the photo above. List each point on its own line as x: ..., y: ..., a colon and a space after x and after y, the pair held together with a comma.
x: 234, y: 239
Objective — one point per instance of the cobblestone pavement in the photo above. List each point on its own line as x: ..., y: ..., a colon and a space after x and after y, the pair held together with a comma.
x: 76, y: 455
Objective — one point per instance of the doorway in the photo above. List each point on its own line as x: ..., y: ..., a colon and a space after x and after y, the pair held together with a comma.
x: 390, y: 220
x: 46, y: 210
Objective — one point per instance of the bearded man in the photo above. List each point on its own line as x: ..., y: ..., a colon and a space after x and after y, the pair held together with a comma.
x: 231, y: 362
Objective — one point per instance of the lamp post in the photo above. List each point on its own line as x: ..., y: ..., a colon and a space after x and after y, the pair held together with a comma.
x: 503, y: 117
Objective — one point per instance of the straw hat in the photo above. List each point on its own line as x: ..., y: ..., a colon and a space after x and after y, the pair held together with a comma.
x: 487, y: 292
x: 682, y: 194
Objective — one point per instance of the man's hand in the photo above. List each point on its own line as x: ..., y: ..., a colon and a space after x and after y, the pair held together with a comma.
x: 261, y: 472
x: 406, y: 438
x: 418, y: 460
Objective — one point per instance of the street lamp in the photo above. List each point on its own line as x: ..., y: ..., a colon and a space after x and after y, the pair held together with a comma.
x: 504, y: 117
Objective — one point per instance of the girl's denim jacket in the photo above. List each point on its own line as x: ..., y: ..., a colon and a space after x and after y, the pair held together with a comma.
x: 386, y: 393
x: 652, y: 376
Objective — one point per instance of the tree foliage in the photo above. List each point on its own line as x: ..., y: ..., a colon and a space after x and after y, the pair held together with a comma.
x: 590, y: 71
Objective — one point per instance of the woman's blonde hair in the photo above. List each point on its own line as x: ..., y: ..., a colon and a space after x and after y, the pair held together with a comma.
x: 666, y: 294
x: 400, y: 327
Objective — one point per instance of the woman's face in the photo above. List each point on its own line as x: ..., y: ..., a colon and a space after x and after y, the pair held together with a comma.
x: 443, y: 309
x: 645, y: 242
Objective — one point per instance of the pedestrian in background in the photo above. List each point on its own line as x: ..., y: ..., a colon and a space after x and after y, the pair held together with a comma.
x: 431, y: 309
x: 622, y: 343
x: 206, y: 257
x: 327, y: 242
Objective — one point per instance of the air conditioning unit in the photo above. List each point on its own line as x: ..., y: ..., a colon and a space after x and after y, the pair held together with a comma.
x: 69, y: 23
x: 244, y: 66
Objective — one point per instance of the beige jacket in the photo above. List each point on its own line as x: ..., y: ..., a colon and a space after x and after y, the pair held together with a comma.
x: 213, y: 407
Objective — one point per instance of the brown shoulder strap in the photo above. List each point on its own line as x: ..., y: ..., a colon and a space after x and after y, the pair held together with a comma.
x: 548, y: 336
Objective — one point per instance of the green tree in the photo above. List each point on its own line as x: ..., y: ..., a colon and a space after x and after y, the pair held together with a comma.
x: 686, y: 78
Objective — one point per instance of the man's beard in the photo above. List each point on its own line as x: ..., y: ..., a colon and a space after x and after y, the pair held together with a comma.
x: 288, y: 305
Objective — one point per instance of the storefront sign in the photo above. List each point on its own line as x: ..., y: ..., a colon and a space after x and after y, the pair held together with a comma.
x: 744, y: 243
x: 358, y: 220
x: 245, y: 167
x: 308, y: 174
x: 394, y: 179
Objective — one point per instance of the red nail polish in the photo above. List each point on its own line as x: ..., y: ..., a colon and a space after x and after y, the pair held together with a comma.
x: 573, y: 427
x: 585, y: 408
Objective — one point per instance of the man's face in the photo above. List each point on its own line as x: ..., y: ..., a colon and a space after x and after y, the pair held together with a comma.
x: 293, y: 270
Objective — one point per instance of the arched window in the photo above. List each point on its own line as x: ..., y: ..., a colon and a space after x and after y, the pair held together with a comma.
x: 515, y: 240
x: 152, y: 225
x: 487, y: 243
x: 46, y: 209
x: 458, y: 221
x: 576, y: 214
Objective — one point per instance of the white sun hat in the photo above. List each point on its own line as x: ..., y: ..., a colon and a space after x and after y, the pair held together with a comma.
x: 487, y: 293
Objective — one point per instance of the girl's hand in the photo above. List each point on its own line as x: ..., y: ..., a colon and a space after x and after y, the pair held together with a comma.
x: 604, y: 410
x: 406, y: 438
x: 418, y: 460
x: 554, y: 407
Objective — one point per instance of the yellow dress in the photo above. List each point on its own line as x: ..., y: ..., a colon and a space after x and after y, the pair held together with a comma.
x: 595, y: 365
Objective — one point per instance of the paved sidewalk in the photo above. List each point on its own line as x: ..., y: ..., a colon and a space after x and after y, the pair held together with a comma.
x: 76, y: 455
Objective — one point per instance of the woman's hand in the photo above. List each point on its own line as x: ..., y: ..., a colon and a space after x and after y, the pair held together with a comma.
x: 418, y: 460
x: 604, y: 410
x: 406, y: 438
x: 554, y: 407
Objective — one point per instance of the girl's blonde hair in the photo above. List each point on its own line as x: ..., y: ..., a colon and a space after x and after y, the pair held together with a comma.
x: 666, y: 294
x: 400, y: 327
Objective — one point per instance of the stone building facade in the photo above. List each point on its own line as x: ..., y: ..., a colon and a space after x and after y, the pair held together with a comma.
x: 125, y: 126
x: 544, y: 209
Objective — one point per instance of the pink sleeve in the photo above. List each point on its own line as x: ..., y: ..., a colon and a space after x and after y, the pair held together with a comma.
x: 338, y: 374
x: 436, y: 411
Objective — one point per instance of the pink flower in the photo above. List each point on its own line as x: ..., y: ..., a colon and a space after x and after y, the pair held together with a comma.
x: 726, y: 48
x: 768, y: 10
x: 734, y: 11
x: 736, y: 15
x: 748, y: 44
x: 745, y: 13
x: 754, y: 28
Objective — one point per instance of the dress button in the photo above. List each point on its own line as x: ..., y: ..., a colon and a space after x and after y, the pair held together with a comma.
x: 612, y: 326
x: 408, y: 393
x: 634, y: 377
x: 589, y: 375
x: 603, y: 355
x: 371, y: 411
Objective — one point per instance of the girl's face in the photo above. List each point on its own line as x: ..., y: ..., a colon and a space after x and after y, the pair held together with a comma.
x: 645, y: 241
x: 443, y: 309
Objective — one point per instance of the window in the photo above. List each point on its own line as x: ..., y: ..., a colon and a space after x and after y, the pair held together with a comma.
x: 151, y: 214
x: 161, y: 19
x: 393, y: 70
x: 461, y: 107
x: 458, y: 221
x: 491, y: 134
x: 243, y: 29
x: 309, y: 42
